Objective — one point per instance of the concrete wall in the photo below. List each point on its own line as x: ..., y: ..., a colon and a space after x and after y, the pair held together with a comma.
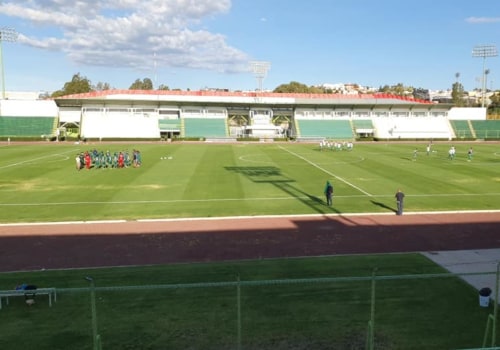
x: 22, y: 108
x: 467, y: 113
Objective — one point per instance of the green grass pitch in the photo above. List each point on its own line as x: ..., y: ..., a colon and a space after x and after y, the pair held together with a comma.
x: 40, y: 182
x: 426, y: 313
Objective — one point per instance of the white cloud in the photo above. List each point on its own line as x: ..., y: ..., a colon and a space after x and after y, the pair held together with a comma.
x: 127, y: 33
x: 482, y: 20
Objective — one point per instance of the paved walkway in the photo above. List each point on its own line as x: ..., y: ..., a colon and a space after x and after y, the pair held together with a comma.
x: 471, y: 261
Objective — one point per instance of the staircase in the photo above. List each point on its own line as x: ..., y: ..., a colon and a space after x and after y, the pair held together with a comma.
x: 472, y: 131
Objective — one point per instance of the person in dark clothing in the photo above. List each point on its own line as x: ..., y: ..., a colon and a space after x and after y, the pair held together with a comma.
x: 30, y: 292
x: 399, y: 202
x: 328, y: 193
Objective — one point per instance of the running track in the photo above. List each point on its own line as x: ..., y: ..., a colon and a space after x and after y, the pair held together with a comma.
x: 97, y: 244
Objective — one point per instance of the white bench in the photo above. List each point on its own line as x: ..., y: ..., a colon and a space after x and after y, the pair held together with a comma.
x: 5, y: 294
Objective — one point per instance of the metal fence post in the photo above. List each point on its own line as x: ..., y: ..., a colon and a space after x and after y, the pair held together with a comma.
x: 495, y: 308
x: 238, y: 310
x: 96, y: 338
x: 371, y: 336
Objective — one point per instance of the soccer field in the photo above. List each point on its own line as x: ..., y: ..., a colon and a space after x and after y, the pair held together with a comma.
x: 304, y: 303
x: 39, y: 182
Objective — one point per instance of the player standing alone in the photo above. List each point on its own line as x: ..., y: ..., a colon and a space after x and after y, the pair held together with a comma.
x: 399, y: 202
x: 328, y: 193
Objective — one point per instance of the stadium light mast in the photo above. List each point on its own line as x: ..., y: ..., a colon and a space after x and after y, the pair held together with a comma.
x: 8, y: 35
x: 259, y: 69
x: 484, y: 51
x: 486, y: 72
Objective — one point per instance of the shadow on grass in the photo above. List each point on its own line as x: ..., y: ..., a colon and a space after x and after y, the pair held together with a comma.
x: 382, y: 205
x: 272, y: 175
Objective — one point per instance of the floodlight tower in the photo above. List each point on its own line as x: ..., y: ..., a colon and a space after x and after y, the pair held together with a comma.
x: 486, y: 72
x: 8, y: 35
x: 484, y: 51
x: 259, y: 69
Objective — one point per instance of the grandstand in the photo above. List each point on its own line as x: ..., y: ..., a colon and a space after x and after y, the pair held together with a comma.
x: 261, y: 124
x: 330, y: 129
x: 27, y: 126
x: 463, y: 129
x: 486, y: 129
x: 205, y: 128
x: 363, y: 127
x: 155, y: 115
x: 211, y: 114
x: 28, y: 119
x: 204, y: 122
x: 170, y: 128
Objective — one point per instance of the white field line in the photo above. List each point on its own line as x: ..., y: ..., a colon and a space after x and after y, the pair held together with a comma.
x: 35, y: 159
x: 214, y: 200
x: 317, y: 215
x: 257, y: 217
x: 326, y: 171
x: 164, y: 201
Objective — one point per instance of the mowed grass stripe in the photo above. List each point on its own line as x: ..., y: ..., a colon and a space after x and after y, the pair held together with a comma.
x: 327, y: 172
x: 210, y: 180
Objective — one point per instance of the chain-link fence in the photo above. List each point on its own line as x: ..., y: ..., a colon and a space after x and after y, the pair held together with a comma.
x: 419, y: 311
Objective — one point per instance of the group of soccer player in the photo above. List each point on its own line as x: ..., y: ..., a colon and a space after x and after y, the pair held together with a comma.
x: 451, y: 153
x: 335, y: 145
x: 101, y: 160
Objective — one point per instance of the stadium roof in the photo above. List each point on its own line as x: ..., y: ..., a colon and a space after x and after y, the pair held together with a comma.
x: 202, y: 97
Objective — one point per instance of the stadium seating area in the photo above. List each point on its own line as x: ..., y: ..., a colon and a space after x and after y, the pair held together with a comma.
x: 463, y: 129
x: 28, y: 119
x: 362, y: 124
x: 170, y: 124
x: 363, y: 127
x: 115, y: 125
x: 331, y: 129
x: 27, y: 126
x: 486, y: 129
x: 205, y: 127
x: 144, y: 120
x: 211, y: 113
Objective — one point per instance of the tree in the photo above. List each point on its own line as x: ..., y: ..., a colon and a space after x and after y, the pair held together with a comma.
x: 296, y: 87
x: 44, y: 95
x: 495, y: 99
x: 292, y: 87
x: 398, y: 89
x: 78, y: 84
x: 457, y: 94
x: 494, y: 106
x: 317, y: 90
x: 145, y: 84
x: 100, y: 86
x: 163, y: 87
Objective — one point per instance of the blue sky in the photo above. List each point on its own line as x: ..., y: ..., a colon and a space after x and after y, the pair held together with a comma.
x: 197, y: 44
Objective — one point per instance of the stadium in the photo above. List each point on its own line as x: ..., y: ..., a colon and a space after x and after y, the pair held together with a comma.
x: 221, y: 239
x: 213, y: 115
